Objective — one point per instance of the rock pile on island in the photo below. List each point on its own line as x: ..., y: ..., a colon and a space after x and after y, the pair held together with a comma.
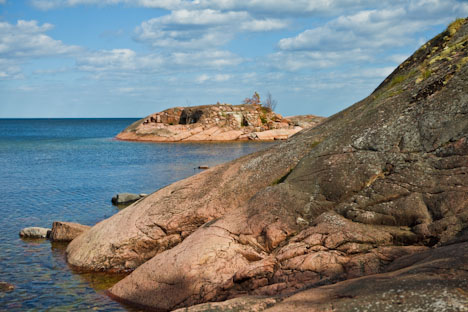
x: 366, y: 211
x: 220, y: 122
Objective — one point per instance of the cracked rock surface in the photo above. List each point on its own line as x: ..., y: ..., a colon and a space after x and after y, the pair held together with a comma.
x: 339, y: 204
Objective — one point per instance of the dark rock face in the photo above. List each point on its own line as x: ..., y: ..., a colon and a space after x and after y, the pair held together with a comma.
x: 126, y: 198
x: 381, y: 180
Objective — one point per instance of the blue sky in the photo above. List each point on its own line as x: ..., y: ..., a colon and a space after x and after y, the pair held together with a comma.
x: 131, y: 58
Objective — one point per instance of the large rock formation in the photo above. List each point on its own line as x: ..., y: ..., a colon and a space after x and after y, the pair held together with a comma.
x: 220, y: 122
x: 383, y: 179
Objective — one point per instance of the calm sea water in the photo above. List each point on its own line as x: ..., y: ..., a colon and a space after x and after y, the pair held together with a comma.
x: 68, y: 170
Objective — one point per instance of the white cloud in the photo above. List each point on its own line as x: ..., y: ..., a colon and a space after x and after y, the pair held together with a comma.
x: 209, y: 58
x: 118, y: 60
x: 362, y: 36
x: 284, y: 6
x: 378, y: 28
x: 294, y: 7
x: 202, y: 78
x: 9, y: 69
x: 214, y: 78
x: 188, y: 29
x: 264, y: 25
x: 25, y: 40
x: 28, y: 38
x: 222, y: 77
x: 125, y: 62
x: 366, y: 29
x: 2, y: 1
x: 199, y: 29
x: 52, y: 71
x: 296, y: 60
x: 162, y: 4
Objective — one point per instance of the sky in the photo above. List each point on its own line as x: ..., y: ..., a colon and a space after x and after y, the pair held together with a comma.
x: 131, y: 58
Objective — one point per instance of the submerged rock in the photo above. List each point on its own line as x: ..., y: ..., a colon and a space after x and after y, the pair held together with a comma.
x: 126, y: 198
x: 5, y: 287
x: 381, y: 180
x: 35, y: 232
x: 67, y: 231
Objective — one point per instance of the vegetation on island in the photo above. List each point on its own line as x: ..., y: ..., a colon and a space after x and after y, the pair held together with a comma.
x: 269, y: 104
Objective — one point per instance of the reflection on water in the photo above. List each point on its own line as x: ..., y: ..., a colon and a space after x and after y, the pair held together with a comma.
x: 99, y: 281
x: 68, y: 170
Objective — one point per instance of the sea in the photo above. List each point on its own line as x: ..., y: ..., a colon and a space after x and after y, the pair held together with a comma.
x: 68, y: 170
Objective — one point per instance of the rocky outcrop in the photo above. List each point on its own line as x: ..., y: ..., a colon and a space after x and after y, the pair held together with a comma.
x: 67, y: 231
x: 35, y: 232
x: 220, y: 122
x: 126, y: 198
x: 385, y: 179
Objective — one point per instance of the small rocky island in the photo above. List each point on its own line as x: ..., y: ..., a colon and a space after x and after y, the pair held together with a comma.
x: 219, y: 122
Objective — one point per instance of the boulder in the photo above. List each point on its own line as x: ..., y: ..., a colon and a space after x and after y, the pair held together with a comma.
x: 35, y: 232
x: 67, y: 231
x: 126, y: 198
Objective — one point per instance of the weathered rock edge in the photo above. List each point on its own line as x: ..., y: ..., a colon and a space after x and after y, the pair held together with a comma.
x: 384, y: 178
x: 216, y: 123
